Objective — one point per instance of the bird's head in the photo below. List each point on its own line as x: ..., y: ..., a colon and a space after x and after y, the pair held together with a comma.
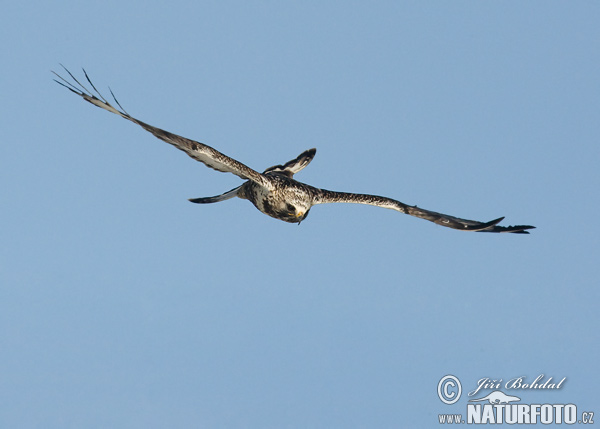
x: 294, y: 213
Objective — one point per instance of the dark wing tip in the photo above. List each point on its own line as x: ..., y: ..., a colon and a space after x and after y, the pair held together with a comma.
x: 521, y: 229
x: 496, y: 221
x: 204, y: 200
x: 492, y: 226
x: 514, y: 229
x: 484, y: 226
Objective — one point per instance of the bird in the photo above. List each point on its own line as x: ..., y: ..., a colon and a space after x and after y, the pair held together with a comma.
x: 275, y: 192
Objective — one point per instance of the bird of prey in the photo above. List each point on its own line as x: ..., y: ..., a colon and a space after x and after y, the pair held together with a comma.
x: 274, y: 191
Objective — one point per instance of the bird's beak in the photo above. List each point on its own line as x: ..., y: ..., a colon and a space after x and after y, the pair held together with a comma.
x: 299, y: 214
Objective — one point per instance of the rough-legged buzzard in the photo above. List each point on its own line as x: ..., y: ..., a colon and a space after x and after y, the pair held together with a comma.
x: 275, y: 192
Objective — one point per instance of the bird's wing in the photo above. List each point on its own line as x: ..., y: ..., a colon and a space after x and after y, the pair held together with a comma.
x: 323, y: 196
x: 224, y: 196
x: 295, y: 165
x: 199, y: 151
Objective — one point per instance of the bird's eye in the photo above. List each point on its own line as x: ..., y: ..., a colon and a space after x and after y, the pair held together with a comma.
x: 291, y: 208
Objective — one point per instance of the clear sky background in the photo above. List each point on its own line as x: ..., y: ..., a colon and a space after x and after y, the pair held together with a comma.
x: 124, y: 305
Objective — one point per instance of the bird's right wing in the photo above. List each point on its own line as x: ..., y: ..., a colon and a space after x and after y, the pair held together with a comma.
x: 323, y: 196
x: 199, y: 151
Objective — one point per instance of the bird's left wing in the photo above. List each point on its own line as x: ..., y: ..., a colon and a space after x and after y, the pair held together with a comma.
x: 323, y: 196
x: 199, y: 151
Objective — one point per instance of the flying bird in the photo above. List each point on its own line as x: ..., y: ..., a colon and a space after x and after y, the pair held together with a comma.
x: 275, y: 192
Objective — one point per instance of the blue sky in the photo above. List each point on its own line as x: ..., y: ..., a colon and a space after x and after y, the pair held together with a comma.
x: 124, y: 305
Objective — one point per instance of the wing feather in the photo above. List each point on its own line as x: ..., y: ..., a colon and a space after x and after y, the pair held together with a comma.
x: 295, y: 165
x: 196, y: 150
x: 224, y: 196
x: 324, y: 196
